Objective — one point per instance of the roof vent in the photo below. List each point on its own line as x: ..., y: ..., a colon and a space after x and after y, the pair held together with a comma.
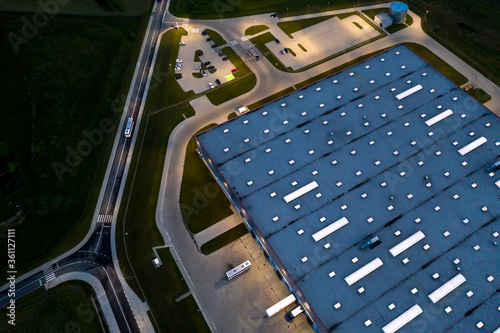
x: 226, y: 130
x: 301, y: 96
x: 318, y: 89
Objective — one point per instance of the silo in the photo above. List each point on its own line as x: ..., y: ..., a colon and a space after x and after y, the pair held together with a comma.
x: 398, y: 11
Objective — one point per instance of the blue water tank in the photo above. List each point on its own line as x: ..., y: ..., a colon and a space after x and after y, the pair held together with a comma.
x: 397, y: 11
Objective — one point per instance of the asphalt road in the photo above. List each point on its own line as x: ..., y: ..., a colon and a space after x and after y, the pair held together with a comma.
x: 95, y: 256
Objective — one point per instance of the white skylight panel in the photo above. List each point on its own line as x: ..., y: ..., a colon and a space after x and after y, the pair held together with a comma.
x: 301, y: 191
x: 439, y: 117
x: 363, y: 271
x: 330, y: 229
x: 447, y: 288
x: 403, y: 319
x: 471, y: 146
x: 408, y: 92
x: 407, y: 243
x: 497, y: 183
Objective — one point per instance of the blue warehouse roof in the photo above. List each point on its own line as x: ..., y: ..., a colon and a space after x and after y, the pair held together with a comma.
x: 393, y: 147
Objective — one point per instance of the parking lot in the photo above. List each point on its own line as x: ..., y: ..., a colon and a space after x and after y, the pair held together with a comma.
x: 194, y: 42
x: 323, y: 40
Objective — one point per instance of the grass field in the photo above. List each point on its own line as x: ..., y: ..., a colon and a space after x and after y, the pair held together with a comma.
x: 302, y: 47
x: 65, y: 308
x: 255, y: 29
x: 224, y: 239
x: 216, y: 37
x: 202, y: 201
x: 48, y: 83
x: 83, y: 7
x: 139, y: 221
x: 448, y: 71
x: 289, y: 27
x: 207, y: 9
x: 467, y: 28
x: 166, y: 90
x: 230, y: 91
x: 232, y: 115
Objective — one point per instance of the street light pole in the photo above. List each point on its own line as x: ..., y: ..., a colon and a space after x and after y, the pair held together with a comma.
x: 425, y: 19
x: 307, y: 9
x: 286, y: 11
x: 328, y: 7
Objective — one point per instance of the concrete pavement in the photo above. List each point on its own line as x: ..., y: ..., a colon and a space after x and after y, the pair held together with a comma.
x: 217, y: 229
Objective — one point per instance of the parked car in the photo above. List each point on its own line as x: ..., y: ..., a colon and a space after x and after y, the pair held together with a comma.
x: 206, y: 63
x: 197, y: 67
x: 221, y: 54
x: 217, y: 81
x: 178, y: 77
x: 286, y: 50
x: 182, y: 43
x: 199, y: 54
x: 277, y: 41
x: 210, y: 68
x: 204, y: 33
x: 214, y: 46
x: 203, y: 73
x: 210, y: 84
x: 217, y: 50
x: 274, y: 15
x: 208, y: 39
x: 178, y: 60
x: 234, y: 70
x: 224, y: 59
x: 469, y: 87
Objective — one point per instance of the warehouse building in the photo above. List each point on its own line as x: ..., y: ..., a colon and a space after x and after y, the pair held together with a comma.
x: 369, y: 193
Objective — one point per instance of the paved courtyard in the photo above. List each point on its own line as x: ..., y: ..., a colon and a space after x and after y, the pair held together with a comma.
x: 323, y: 40
x: 196, y: 41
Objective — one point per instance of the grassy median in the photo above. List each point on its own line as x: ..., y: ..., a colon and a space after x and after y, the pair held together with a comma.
x: 255, y: 29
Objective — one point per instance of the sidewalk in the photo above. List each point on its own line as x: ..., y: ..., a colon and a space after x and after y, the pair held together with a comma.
x: 217, y: 229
